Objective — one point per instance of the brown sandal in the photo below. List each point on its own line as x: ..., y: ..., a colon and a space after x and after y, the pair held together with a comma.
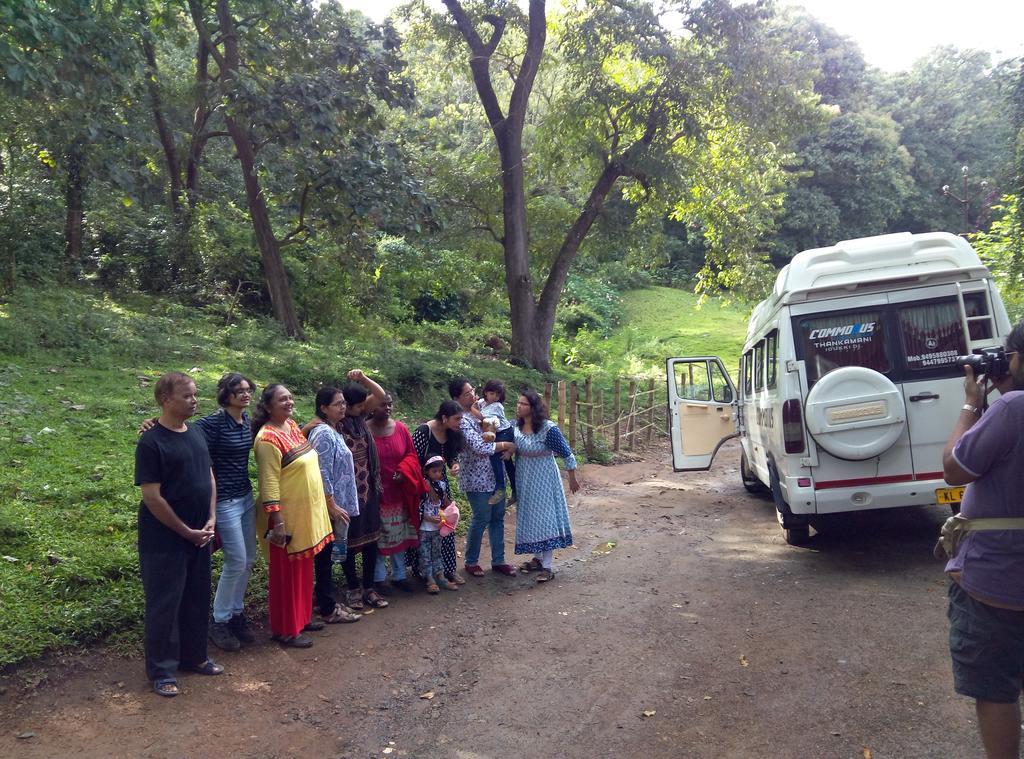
x: 375, y: 599
x: 533, y: 565
x: 354, y: 600
x: 341, y: 614
x: 546, y: 575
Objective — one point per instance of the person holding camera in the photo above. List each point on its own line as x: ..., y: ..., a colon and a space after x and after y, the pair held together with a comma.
x: 986, y: 594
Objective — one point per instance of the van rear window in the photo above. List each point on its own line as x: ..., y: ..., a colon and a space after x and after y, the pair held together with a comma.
x: 855, y: 338
x: 932, y: 335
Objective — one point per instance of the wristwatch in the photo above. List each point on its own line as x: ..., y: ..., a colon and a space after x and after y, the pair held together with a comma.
x: 972, y: 409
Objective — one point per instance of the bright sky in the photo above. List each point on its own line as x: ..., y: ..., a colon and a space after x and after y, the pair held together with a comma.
x: 892, y: 33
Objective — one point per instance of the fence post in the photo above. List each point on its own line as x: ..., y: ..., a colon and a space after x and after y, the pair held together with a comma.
x: 547, y: 396
x: 561, y: 405
x: 650, y: 411
x: 631, y: 420
x: 600, y: 414
x: 589, y: 432
x: 618, y: 412
x: 572, y: 414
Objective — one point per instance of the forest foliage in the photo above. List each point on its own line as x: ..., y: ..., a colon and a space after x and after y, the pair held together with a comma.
x: 294, y: 159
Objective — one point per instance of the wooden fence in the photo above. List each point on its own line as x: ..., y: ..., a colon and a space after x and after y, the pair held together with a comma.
x: 611, y: 420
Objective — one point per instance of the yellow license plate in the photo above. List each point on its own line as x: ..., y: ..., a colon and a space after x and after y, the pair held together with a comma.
x: 949, y: 495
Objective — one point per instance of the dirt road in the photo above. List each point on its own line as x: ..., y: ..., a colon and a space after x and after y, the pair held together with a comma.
x: 700, y: 634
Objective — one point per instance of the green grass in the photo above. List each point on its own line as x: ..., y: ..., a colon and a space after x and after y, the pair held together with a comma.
x: 662, y: 322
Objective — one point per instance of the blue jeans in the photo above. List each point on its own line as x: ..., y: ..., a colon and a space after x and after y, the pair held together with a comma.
x: 236, y: 525
x: 489, y: 518
x: 380, y: 572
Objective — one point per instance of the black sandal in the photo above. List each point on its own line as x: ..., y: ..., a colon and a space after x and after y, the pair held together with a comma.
x: 374, y: 599
x: 208, y: 667
x: 166, y: 687
x: 546, y: 575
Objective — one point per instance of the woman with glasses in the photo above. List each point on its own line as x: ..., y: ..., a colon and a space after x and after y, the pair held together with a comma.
x: 229, y: 438
x: 338, y: 474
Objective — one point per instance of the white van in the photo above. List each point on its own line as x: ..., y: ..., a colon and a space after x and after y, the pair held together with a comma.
x: 848, y: 384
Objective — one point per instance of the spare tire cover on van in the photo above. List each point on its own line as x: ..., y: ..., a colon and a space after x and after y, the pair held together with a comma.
x: 855, y: 413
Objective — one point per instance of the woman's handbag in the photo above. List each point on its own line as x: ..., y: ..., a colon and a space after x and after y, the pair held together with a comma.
x: 956, y: 527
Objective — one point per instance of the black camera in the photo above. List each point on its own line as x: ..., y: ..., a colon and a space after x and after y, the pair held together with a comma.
x: 992, y: 362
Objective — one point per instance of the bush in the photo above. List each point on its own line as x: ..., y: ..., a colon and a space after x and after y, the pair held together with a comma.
x: 588, y: 303
x: 1002, y: 250
x: 31, y: 234
x: 429, y: 286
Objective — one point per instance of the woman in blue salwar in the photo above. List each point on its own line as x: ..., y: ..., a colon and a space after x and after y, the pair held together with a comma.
x: 542, y: 514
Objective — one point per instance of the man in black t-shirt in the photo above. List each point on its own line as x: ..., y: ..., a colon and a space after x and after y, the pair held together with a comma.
x: 176, y: 526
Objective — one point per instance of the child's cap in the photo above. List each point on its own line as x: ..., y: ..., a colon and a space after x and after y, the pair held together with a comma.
x: 433, y: 461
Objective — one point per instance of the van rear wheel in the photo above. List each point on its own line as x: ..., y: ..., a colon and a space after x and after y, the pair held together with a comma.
x: 797, y: 536
x: 795, y: 529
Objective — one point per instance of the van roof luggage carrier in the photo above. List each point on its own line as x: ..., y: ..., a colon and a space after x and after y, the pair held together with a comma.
x: 873, y: 263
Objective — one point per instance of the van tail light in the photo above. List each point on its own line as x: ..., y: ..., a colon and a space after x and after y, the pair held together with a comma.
x: 793, y: 426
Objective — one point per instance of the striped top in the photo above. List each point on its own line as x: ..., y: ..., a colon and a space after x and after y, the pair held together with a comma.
x: 229, y: 443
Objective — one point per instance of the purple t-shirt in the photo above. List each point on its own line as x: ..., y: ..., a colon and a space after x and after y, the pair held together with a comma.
x: 992, y: 561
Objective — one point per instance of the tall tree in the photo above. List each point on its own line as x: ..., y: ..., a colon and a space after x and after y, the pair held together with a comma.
x: 951, y: 107
x: 304, y: 92
x: 237, y: 121
x: 69, y: 57
x: 647, y: 107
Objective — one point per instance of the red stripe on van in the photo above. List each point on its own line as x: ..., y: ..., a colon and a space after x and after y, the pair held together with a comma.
x: 931, y: 476
x: 863, y: 481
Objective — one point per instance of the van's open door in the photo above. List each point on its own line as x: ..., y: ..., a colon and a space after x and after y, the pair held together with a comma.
x: 701, y: 406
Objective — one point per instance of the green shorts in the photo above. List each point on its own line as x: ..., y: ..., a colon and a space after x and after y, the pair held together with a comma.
x: 987, y: 647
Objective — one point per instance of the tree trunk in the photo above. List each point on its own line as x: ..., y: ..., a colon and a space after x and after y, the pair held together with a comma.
x: 199, y: 118
x: 270, y: 250
x: 544, y: 325
x: 156, y: 104
x: 185, y: 263
x: 508, y: 134
x: 518, y: 281
x: 74, y: 193
x: 11, y: 270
